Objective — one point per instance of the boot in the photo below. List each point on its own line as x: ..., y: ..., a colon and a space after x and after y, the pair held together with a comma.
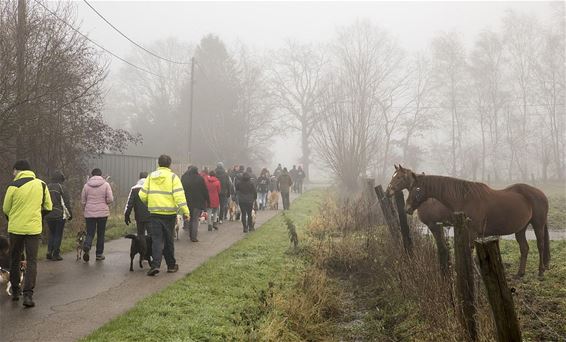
x: 28, y: 301
x: 209, y: 227
x: 15, y: 294
x: 49, y: 256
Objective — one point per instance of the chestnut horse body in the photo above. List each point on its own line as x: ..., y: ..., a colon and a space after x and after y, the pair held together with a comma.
x: 492, y: 212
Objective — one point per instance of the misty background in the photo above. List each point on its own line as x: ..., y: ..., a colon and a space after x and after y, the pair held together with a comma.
x: 470, y: 89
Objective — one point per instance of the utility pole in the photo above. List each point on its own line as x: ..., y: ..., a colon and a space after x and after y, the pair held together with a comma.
x: 191, y: 110
x: 20, y: 118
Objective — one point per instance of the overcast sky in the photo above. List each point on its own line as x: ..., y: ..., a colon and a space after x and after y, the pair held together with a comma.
x: 265, y: 25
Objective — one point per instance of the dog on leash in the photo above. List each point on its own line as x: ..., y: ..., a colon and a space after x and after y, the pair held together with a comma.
x: 179, y: 223
x: 253, y: 218
x: 138, y: 248
x: 80, y: 240
x: 5, y: 277
x: 231, y: 209
x: 5, y: 266
x: 273, y: 200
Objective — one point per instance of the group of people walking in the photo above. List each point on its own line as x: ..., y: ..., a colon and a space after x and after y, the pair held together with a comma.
x: 157, y: 199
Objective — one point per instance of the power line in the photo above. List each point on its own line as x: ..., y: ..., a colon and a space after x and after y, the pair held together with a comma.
x: 132, y: 41
x: 98, y: 45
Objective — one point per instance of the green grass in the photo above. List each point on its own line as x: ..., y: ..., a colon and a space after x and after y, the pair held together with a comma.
x: 224, y: 298
x: 115, y: 228
x: 541, y: 304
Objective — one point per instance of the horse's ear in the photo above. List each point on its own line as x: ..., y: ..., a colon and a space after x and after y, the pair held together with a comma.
x: 396, y: 167
x: 400, y: 167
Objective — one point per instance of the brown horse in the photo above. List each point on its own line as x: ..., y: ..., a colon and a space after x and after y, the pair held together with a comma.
x: 431, y: 212
x: 492, y: 212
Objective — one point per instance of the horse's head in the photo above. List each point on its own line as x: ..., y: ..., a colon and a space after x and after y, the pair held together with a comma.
x: 416, y: 197
x: 402, y: 179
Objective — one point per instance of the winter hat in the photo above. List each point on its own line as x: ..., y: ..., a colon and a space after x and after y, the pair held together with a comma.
x: 22, y: 165
x: 220, y: 164
x: 58, y: 177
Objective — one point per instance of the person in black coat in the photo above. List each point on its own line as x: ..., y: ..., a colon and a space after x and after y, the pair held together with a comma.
x: 56, y: 218
x: 141, y: 214
x: 247, y: 195
x: 197, y: 199
x: 225, y: 190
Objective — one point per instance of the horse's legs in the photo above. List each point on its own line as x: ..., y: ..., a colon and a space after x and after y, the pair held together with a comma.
x: 539, y: 233
x: 437, y: 231
x: 524, y: 248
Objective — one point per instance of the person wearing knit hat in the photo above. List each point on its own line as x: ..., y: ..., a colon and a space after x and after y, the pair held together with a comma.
x: 58, y: 216
x: 27, y: 199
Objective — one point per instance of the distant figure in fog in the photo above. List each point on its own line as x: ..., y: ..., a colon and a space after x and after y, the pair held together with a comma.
x: 293, y: 175
x: 197, y: 199
x: 225, y: 190
x: 95, y: 198
x: 213, y: 186
x: 284, y: 184
x: 300, y: 179
x: 262, y: 188
x: 247, y: 196
x: 277, y: 171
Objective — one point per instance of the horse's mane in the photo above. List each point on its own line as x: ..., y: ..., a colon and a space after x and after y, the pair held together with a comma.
x: 454, y: 187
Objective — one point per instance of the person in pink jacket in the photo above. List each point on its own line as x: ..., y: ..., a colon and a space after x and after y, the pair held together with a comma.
x: 95, y: 198
x: 214, y: 187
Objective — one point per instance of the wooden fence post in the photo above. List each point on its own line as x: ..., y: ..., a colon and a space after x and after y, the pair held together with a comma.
x: 403, y: 223
x: 498, y: 292
x: 369, y: 194
x: 388, y: 212
x: 464, y: 275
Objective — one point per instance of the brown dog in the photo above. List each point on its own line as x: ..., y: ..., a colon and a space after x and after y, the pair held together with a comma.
x: 273, y: 200
x: 232, y: 208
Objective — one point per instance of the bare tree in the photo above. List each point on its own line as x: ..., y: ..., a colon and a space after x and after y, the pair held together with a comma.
x: 486, y: 70
x: 297, y: 80
x: 522, y: 43
x: 62, y: 123
x: 450, y: 69
x: 153, y: 104
x: 417, y: 121
x: 360, y: 110
x: 255, y: 108
x: 550, y: 77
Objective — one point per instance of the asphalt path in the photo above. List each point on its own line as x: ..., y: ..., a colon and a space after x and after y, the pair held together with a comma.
x: 73, y: 298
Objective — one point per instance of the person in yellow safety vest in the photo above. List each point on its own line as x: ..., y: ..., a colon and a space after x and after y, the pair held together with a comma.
x: 163, y: 194
x: 27, y: 200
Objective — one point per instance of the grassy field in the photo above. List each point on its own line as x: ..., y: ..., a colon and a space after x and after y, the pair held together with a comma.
x: 227, y: 297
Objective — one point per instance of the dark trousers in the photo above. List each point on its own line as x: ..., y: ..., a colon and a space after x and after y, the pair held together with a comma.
x: 286, y: 202
x: 19, y: 243
x: 300, y: 186
x: 194, y: 222
x: 246, y: 209
x: 223, y: 214
x: 55, y: 236
x: 161, y: 228
x: 95, y: 225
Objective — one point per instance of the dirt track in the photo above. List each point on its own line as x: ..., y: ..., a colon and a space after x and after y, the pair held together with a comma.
x: 74, y: 298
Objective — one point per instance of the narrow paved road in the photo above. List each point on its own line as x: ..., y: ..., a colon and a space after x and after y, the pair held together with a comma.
x: 74, y: 298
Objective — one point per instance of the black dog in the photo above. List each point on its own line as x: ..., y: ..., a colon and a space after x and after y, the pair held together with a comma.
x: 139, y: 248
